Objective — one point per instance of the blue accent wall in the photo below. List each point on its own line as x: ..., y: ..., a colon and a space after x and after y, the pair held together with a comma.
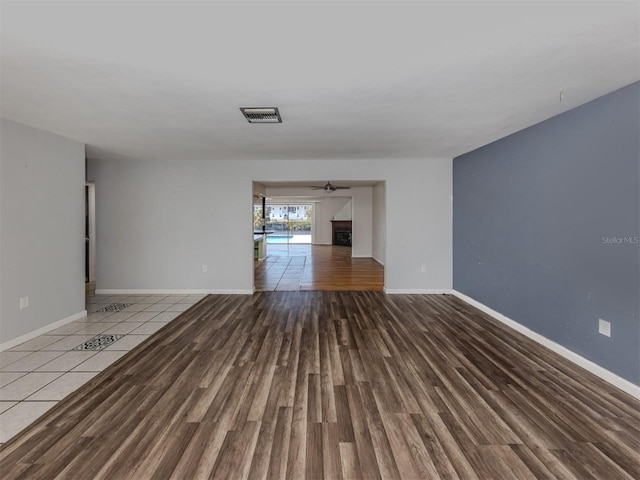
x: 546, y: 224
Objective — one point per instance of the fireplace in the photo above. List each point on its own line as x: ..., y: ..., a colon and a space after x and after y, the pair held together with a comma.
x: 341, y: 232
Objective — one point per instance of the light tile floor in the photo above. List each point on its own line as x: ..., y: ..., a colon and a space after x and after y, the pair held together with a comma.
x: 37, y: 374
x: 283, y: 269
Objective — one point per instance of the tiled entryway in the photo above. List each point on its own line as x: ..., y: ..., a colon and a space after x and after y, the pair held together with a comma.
x: 37, y: 374
x: 280, y: 273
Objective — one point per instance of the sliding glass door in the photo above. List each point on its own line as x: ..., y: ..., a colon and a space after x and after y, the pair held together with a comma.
x: 290, y: 223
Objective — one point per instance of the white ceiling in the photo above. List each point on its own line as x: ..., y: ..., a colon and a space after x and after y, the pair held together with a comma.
x: 165, y: 80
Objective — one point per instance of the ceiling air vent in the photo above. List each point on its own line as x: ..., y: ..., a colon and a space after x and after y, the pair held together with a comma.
x: 261, y: 114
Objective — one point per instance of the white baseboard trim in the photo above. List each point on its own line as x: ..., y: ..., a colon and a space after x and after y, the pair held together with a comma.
x: 603, y: 373
x: 378, y: 260
x: 146, y: 291
x: 41, y: 331
x: 416, y: 291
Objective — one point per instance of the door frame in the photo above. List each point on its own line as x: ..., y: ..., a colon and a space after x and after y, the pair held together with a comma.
x: 91, y: 216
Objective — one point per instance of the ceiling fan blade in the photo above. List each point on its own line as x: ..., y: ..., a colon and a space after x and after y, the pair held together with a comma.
x: 328, y: 187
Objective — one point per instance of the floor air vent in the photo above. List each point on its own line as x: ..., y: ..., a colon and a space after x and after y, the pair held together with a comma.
x: 115, y: 307
x: 99, y: 342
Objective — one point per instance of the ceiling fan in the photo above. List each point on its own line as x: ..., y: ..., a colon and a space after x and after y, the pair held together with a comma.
x: 330, y: 188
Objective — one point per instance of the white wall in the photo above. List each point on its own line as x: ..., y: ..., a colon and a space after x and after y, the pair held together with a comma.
x: 159, y: 222
x: 345, y: 213
x: 379, y: 222
x: 325, y: 210
x: 419, y: 226
x: 362, y: 221
x: 42, y: 211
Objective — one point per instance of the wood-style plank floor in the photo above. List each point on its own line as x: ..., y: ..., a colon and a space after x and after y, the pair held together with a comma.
x: 334, y: 385
x: 316, y: 267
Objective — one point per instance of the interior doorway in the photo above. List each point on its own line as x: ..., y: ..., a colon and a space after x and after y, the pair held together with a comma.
x: 89, y: 238
x: 348, y: 229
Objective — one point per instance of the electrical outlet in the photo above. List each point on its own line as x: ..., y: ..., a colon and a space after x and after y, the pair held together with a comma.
x: 205, y: 268
x: 24, y: 302
x: 423, y: 269
x: 604, y: 327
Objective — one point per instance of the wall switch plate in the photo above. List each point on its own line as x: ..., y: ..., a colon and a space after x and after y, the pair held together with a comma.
x: 24, y: 302
x: 205, y: 268
x: 604, y: 327
x: 423, y: 269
